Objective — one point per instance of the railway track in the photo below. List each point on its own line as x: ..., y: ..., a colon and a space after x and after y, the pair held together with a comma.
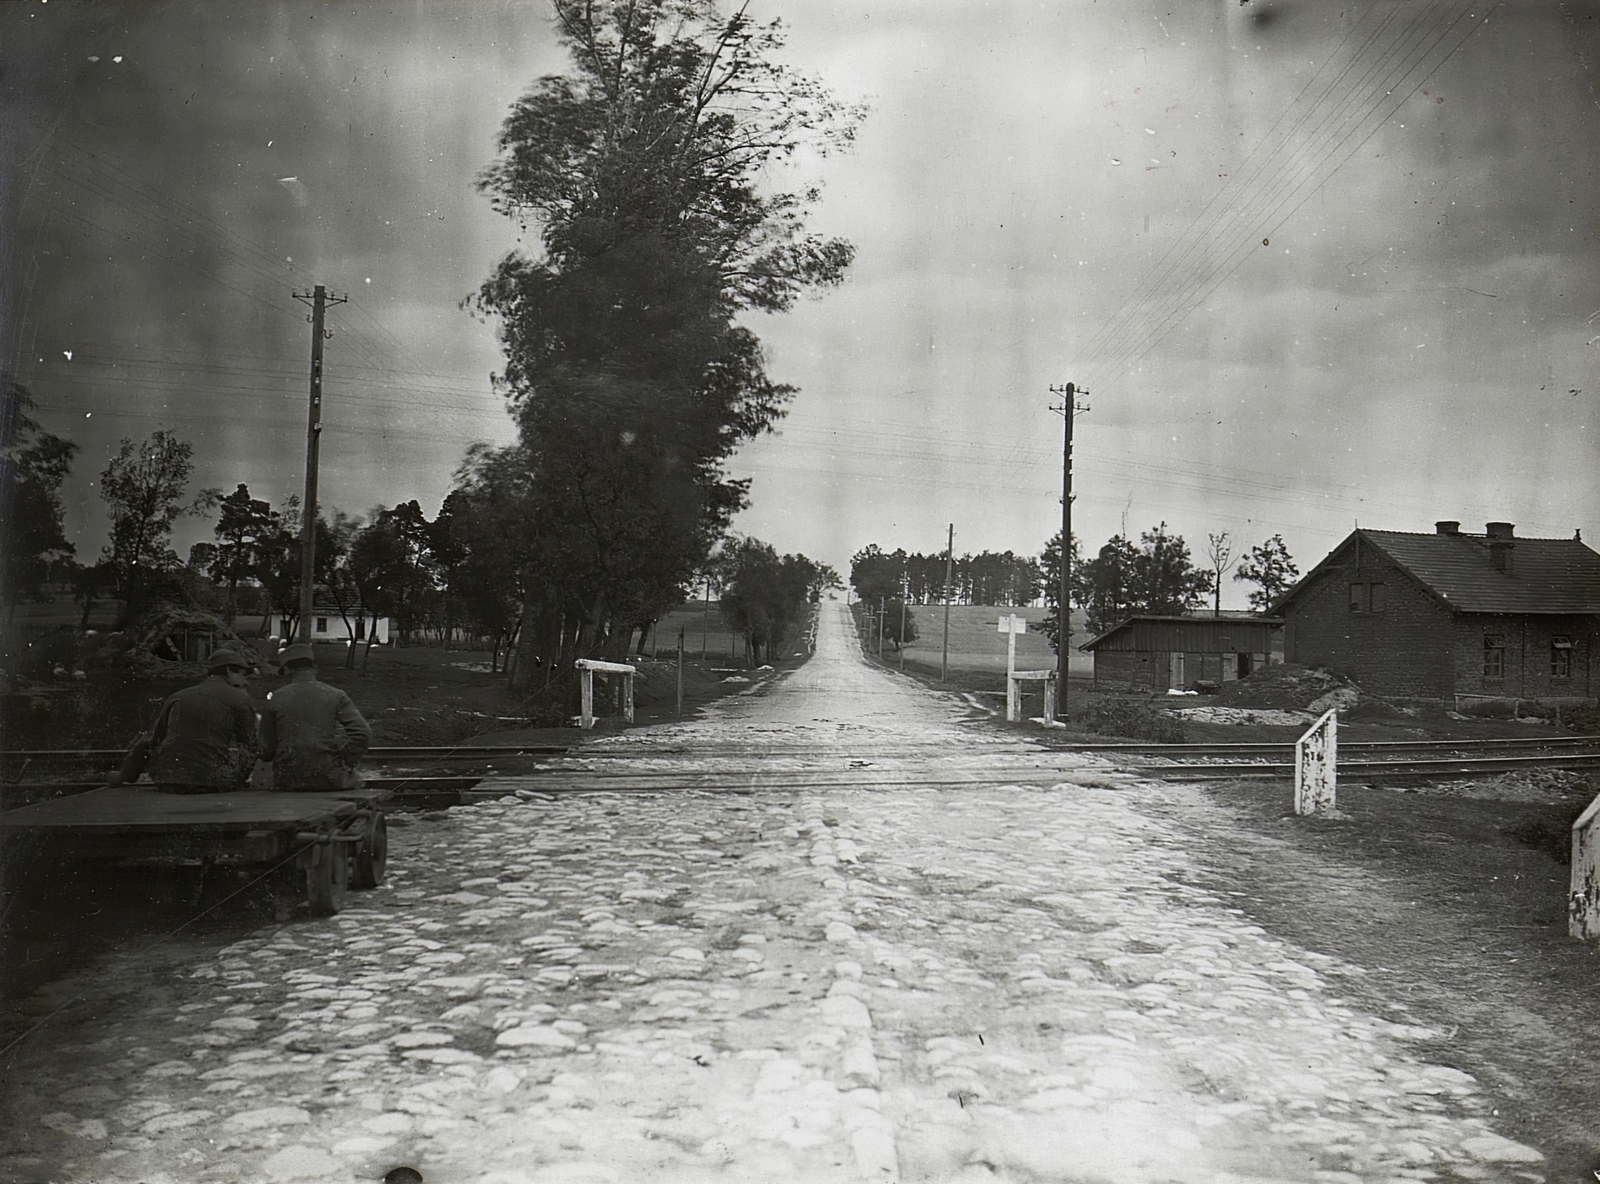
x: 1378, y: 761
x: 448, y: 775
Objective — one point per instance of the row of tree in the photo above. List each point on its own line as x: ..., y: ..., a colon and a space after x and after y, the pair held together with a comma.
x: 1156, y: 576
x: 986, y: 578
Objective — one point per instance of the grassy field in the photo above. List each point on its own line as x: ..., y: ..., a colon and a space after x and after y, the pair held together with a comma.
x: 977, y: 645
x: 703, y: 631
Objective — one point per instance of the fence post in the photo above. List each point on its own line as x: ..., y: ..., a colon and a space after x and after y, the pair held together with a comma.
x: 1583, y: 901
x: 1316, y: 766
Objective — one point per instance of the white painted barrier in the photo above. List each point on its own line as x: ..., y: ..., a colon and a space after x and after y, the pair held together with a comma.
x: 1316, y: 766
x: 588, y: 667
x: 1015, y: 690
x: 1583, y: 901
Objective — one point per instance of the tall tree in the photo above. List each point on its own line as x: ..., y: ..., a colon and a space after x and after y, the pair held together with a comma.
x: 765, y: 596
x: 143, y: 487
x: 1109, y: 584
x: 631, y: 380
x: 1166, y: 581
x: 245, y: 526
x: 1049, y: 568
x: 1272, y: 570
x: 395, y: 567
x: 1219, y: 553
x: 33, y: 464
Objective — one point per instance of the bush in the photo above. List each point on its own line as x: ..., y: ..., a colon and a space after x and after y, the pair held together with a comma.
x: 1129, y: 720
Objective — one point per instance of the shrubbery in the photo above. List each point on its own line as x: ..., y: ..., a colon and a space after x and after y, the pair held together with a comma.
x: 1128, y: 719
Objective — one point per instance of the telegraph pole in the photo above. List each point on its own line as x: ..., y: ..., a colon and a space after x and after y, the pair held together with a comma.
x: 319, y: 299
x: 905, y: 592
x: 1069, y: 395
x: 949, y: 559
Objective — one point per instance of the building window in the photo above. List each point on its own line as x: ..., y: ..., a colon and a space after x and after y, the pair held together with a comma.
x: 1368, y: 598
x: 322, y: 624
x: 1561, y: 657
x: 1494, y: 656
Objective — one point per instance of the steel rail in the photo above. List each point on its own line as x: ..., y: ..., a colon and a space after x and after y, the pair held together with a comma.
x: 474, y: 751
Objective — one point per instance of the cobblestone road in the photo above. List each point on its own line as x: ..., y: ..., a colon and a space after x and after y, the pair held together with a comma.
x: 860, y: 938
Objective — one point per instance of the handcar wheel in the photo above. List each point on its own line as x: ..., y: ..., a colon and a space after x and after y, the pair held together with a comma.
x: 327, y: 878
x: 372, y: 854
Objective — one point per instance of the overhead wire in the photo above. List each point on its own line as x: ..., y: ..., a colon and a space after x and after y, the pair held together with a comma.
x: 1168, y: 297
x: 1267, y: 223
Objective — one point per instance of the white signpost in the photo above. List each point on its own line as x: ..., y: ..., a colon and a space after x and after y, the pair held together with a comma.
x: 1316, y: 766
x: 1012, y: 625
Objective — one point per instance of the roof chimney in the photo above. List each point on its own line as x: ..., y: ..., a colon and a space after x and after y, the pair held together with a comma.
x: 1447, y: 528
x: 1500, y: 546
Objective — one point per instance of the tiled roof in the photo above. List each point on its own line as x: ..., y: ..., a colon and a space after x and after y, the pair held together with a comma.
x: 1547, y: 575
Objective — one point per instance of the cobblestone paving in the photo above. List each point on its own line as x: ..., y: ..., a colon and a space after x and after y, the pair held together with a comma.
x: 794, y: 981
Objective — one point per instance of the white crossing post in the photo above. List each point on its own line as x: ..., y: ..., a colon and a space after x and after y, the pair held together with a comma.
x: 1583, y: 901
x: 587, y: 668
x: 1316, y: 766
x: 1011, y: 625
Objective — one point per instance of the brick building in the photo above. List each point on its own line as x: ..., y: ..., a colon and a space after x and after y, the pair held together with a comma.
x: 1451, y: 615
x: 1156, y: 653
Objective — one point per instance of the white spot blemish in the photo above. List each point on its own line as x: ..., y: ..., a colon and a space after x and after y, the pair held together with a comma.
x: 118, y: 58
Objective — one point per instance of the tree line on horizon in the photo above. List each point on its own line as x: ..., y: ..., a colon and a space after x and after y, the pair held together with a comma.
x: 1155, y: 576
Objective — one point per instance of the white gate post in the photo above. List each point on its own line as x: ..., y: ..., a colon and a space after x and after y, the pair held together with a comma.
x: 588, y: 666
x: 1011, y: 625
x: 1583, y: 901
x: 1316, y: 766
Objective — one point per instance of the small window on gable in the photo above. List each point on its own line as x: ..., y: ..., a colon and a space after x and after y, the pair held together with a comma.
x: 1380, y: 597
x: 322, y: 624
x: 1561, y: 657
x: 1358, y: 598
x: 1494, y: 656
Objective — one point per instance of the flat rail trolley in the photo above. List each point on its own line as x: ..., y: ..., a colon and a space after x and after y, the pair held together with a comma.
x: 333, y: 841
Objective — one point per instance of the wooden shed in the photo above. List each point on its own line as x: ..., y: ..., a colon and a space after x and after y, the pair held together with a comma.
x: 1152, y: 654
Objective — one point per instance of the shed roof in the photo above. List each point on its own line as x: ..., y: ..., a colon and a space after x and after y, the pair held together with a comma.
x: 1546, y: 576
x: 1225, y: 618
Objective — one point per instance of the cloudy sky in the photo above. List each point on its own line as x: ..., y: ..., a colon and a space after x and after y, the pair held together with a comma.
x: 1315, y: 264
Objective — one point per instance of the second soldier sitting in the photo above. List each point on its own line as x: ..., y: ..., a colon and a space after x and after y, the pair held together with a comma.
x: 310, y: 731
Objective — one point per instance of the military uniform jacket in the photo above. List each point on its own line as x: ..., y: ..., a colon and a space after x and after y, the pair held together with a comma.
x: 205, y: 736
x: 313, y: 735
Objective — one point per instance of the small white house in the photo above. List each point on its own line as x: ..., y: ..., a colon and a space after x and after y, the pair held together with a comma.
x: 327, y: 624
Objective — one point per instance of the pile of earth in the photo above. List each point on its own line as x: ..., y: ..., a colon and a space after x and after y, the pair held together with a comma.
x: 1289, y: 687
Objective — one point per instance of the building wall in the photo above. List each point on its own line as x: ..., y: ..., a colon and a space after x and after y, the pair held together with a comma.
x: 1527, y: 647
x: 1156, y: 671
x: 1406, y: 649
x: 333, y: 627
x: 1124, y: 670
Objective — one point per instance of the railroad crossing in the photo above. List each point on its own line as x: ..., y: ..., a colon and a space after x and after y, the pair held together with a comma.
x: 833, y: 931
